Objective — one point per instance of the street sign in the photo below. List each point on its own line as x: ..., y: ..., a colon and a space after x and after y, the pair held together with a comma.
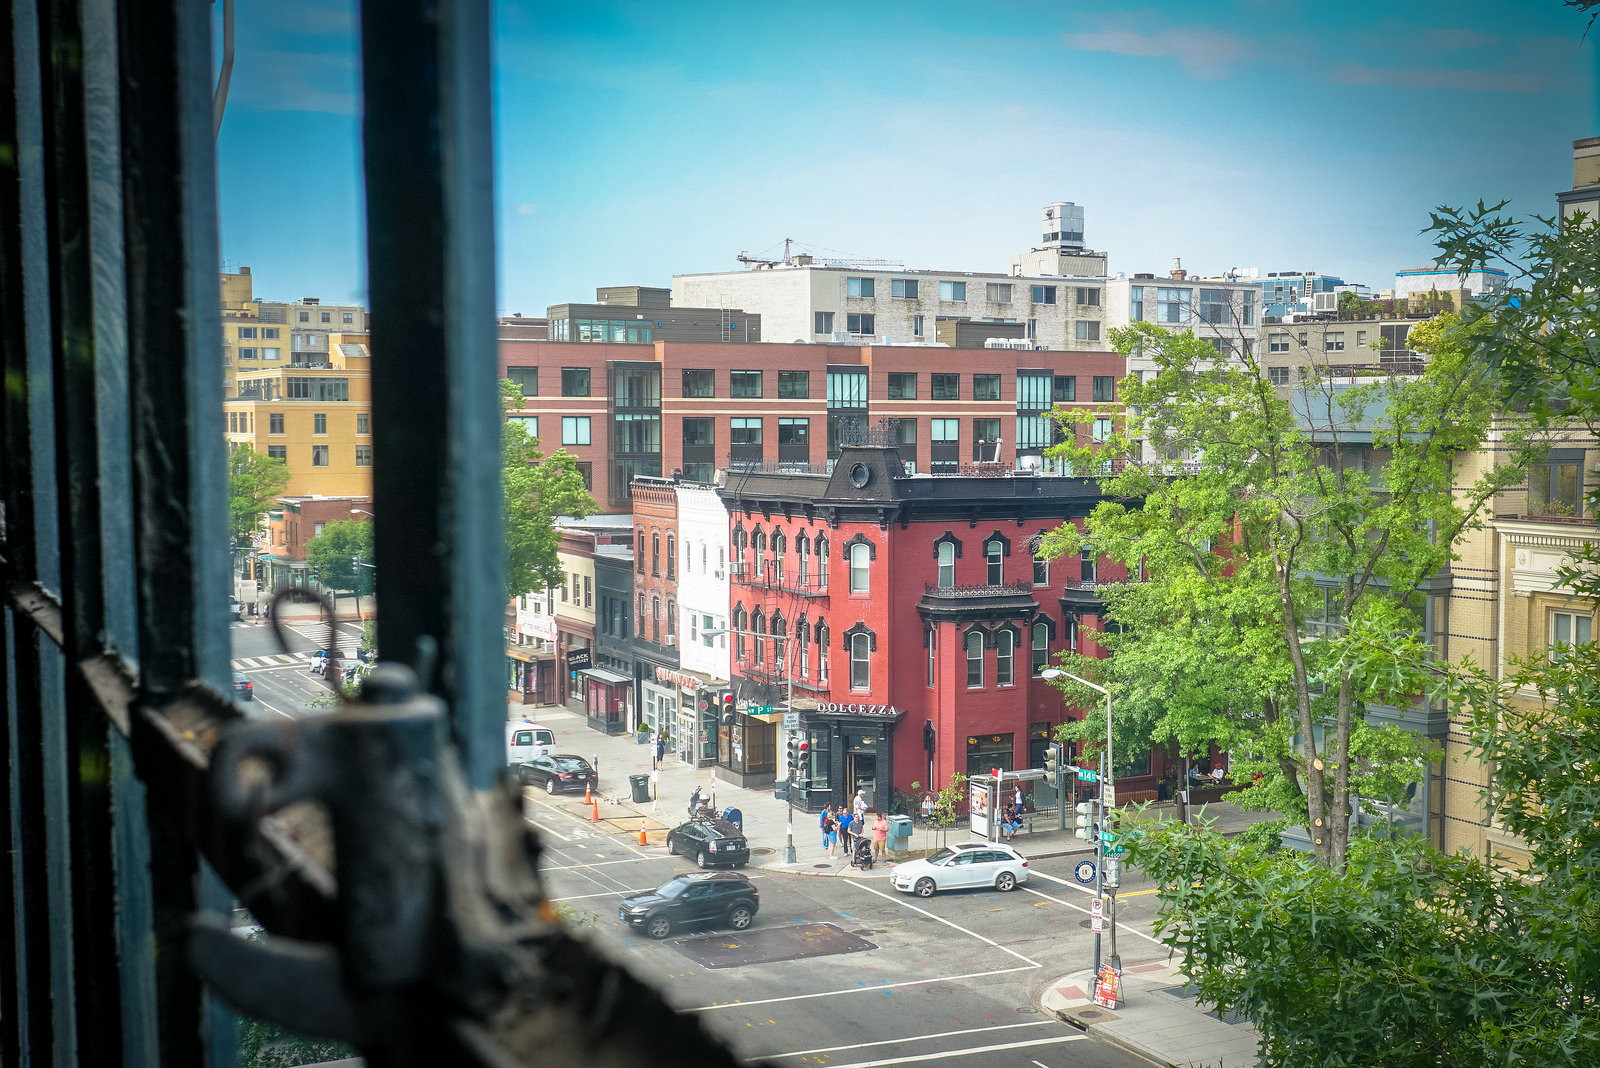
x: 791, y: 721
x: 1083, y: 871
x: 1097, y: 914
x: 759, y: 710
x: 1087, y: 775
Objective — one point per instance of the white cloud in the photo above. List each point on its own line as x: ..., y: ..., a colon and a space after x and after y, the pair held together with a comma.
x: 1205, y: 54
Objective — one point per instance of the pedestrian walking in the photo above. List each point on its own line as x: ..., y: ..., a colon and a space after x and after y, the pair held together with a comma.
x: 831, y: 827
x: 822, y: 824
x: 661, y: 747
x: 880, y: 835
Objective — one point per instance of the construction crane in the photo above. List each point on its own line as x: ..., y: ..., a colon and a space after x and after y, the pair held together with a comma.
x: 745, y: 258
x: 822, y: 261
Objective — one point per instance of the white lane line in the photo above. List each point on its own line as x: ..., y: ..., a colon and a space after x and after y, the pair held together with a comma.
x: 285, y: 658
x: 548, y: 830
x: 858, y: 989
x: 1086, y: 912
x: 598, y: 863
x: 948, y: 923
x: 279, y: 711
x: 910, y: 1038
x: 965, y: 1052
x: 608, y: 893
x: 1089, y: 890
x: 579, y: 819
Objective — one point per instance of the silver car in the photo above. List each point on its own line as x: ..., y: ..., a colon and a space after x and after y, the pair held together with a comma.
x: 968, y: 865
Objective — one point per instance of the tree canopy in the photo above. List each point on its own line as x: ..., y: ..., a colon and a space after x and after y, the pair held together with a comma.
x: 538, y: 488
x: 254, y: 485
x: 329, y: 554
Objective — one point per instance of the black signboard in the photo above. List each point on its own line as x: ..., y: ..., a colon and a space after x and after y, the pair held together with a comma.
x: 578, y: 659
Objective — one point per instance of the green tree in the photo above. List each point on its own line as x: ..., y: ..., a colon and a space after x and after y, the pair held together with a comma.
x: 329, y: 555
x: 1232, y: 499
x: 254, y: 485
x: 538, y: 488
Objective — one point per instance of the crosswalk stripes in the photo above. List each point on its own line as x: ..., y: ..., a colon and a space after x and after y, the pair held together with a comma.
x: 270, y: 660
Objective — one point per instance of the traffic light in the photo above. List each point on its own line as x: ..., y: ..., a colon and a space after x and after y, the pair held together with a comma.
x: 727, y: 708
x: 1086, y: 821
x: 794, y: 752
x: 1052, y: 764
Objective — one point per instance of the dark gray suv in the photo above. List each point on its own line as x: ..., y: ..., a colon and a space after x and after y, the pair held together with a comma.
x: 697, y: 899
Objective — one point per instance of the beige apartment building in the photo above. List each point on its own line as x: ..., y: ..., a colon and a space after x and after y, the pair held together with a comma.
x: 1342, y: 348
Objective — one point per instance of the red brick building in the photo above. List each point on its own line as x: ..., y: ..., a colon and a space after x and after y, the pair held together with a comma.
x: 911, y: 617
x: 630, y: 410
x: 655, y: 585
x: 292, y: 524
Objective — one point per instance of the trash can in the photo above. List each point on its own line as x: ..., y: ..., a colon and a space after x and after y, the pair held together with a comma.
x: 735, y: 817
x: 641, y: 788
x: 899, y: 833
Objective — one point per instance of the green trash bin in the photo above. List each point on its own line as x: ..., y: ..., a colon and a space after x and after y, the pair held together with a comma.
x: 641, y: 788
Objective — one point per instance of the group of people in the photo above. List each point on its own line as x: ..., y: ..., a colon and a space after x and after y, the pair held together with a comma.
x: 853, y: 826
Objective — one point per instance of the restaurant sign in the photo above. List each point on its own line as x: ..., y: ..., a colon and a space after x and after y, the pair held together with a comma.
x: 678, y: 678
x: 860, y: 710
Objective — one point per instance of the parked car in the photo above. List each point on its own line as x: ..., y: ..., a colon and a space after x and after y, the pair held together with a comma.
x: 559, y: 771
x: 243, y: 688
x: 970, y: 864
x: 694, y: 899
x: 711, y: 842
x: 319, y: 662
x: 525, y: 740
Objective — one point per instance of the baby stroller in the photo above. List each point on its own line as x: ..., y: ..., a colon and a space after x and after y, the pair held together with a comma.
x: 861, y: 856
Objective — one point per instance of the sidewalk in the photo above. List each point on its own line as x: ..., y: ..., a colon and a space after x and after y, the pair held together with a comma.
x: 1158, y: 1018
x: 765, y: 817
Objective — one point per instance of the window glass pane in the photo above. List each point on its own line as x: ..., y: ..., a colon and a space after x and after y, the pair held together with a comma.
x: 946, y: 387
x: 974, y: 659
x: 859, y: 561
x: 986, y: 387
x: 699, y: 383
x: 794, y: 384
x: 745, y: 383
x: 1066, y: 389
x: 574, y: 381
x: 860, y: 649
x: 902, y: 386
x: 1033, y: 393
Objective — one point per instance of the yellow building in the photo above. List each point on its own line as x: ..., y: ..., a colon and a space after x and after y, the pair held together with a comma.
x: 1506, y: 603
x: 316, y: 414
x: 241, y: 328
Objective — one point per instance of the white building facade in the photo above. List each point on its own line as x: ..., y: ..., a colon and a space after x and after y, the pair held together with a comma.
x: 703, y: 591
x: 1224, y: 312
x: 1055, y: 292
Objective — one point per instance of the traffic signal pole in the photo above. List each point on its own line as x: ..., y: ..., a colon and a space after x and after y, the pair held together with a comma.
x: 1099, y: 859
x: 788, y: 795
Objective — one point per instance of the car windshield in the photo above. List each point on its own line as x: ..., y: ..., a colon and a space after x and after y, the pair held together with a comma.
x: 672, y: 887
x: 572, y: 764
x: 941, y: 856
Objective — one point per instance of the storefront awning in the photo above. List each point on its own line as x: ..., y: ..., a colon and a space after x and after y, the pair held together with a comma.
x: 527, y: 654
x: 602, y: 675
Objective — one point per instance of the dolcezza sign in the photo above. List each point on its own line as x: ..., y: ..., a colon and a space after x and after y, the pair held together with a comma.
x: 861, y: 710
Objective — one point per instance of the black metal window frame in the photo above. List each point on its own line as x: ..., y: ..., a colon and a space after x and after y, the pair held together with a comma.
x: 126, y: 817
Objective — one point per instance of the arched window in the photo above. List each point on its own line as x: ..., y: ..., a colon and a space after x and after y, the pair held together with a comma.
x: 739, y: 541
x: 1005, y: 654
x: 655, y: 620
x: 802, y: 548
x: 1072, y: 635
x: 638, y: 548
x: 822, y: 649
x: 672, y: 557
x: 974, y: 659
x: 1041, y: 647
x: 802, y: 648
x: 860, y: 558
x: 780, y: 635
x: 672, y: 619
x: 860, y: 662
x: 993, y: 553
x: 758, y: 627
x: 822, y: 561
x: 932, y: 640
x: 758, y: 548
x: 947, y: 565
x: 778, y: 546
x: 641, y: 630
x: 739, y: 626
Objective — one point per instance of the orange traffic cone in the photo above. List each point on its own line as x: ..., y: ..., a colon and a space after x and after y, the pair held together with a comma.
x: 642, y: 839
x: 586, y: 798
x: 594, y: 817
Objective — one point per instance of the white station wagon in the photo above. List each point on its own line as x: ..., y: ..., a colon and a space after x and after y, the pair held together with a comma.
x: 970, y: 864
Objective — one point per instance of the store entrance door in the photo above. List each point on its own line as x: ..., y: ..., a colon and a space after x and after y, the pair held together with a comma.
x: 861, y: 773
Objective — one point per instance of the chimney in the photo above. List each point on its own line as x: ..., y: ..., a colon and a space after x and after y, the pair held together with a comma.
x: 244, y: 270
x: 1177, y: 270
x: 1585, y: 162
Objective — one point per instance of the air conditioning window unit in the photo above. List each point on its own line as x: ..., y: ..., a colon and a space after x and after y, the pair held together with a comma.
x: 716, y: 574
x: 672, y: 639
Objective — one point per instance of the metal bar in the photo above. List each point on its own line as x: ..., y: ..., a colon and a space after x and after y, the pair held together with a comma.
x: 436, y: 420
x: 179, y: 465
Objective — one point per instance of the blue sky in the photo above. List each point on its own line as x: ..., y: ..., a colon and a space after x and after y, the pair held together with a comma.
x: 637, y: 140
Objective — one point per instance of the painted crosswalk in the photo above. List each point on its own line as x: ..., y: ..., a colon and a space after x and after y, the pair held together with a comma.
x: 272, y: 660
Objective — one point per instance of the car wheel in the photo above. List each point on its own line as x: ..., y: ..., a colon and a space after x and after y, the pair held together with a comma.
x: 672, y: 846
x: 522, y: 773
x: 658, y: 927
x: 549, y: 786
x: 1005, y: 882
x: 924, y: 888
x: 702, y: 860
x: 741, y: 917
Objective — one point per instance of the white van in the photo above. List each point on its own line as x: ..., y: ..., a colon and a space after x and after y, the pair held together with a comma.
x: 524, y: 741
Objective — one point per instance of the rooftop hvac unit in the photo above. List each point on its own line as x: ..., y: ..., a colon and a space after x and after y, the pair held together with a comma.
x: 1324, y: 302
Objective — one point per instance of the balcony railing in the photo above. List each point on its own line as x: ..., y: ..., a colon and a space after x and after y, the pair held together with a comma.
x: 998, y: 589
x: 787, y: 580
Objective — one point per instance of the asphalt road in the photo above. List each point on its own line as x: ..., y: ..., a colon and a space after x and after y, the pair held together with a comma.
x: 283, y: 681
x: 875, y: 977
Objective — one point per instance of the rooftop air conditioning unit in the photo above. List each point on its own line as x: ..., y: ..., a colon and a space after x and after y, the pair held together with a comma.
x: 1324, y: 302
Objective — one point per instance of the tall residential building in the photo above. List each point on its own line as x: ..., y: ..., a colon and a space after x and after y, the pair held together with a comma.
x: 257, y: 333
x: 691, y: 410
x: 317, y: 415
x: 1054, y: 292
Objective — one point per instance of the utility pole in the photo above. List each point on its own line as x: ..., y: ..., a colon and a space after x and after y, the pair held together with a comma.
x: 788, y: 710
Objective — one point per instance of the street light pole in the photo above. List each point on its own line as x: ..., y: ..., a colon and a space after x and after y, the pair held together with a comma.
x: 1107, y: 798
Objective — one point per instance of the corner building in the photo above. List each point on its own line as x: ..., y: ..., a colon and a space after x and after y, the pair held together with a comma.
x: 910, y: 617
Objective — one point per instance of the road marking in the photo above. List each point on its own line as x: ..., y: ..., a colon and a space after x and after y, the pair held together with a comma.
x: 548, y: 830
x: 597, y: 863
x: 1040, y: 1065
x: 966, y: 1052
x: 279, y: 711
x: 608, y: 893
x: 948, y: 923
x: 1086, y: 912
x: 910, y: 1038
x: 858, y: 990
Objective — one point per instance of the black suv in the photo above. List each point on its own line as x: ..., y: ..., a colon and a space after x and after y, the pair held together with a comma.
x: 692, y: 900
x: 710, y: 842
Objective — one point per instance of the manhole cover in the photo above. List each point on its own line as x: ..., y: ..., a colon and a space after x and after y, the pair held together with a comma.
x: 1085, y: 923
x: 942, y: 988
x: 761, y: 851
x: 1088, y: 1014
x: 822, y: 865
x: 1026, y: 1010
